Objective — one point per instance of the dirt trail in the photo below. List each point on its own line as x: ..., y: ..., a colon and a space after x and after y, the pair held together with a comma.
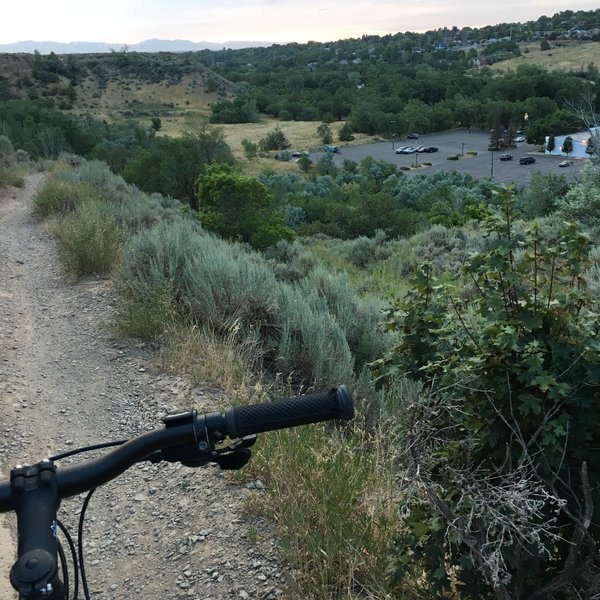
x: 158, y: 531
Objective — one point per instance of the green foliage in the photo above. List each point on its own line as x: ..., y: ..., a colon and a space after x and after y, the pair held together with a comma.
x: 567, y: 146
x: 156, y: 123
x: 172, y: 166
x: 345, y: 133
x: 239, y: 110
x: 305, y: 164
x: 58, y: 197
x: 582, y: 202
x: 305, y: 330
x: 274, y: 140
x: 543, y: 194
x: 518, y: 356
x: 89, y: 239
x: 7, y: 150
x: 551, y: 144
x: 324, y: 133
x: 239, y: 208
x: 250, y: 148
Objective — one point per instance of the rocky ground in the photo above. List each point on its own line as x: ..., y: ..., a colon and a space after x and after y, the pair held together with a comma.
x: 66, y: 380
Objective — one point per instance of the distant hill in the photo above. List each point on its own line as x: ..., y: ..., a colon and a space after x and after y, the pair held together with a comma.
x: 118, y: 83
x: 153, y: 45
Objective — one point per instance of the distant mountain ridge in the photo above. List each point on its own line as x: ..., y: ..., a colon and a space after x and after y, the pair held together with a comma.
x: 152, y: 45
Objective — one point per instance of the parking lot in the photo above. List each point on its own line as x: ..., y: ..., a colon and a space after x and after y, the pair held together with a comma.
x: 460, y: 142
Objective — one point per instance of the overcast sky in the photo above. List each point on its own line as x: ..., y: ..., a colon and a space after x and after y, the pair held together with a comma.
x: 131, y: 21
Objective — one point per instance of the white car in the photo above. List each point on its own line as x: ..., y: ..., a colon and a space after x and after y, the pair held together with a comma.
x: 520, y: 138
x: 401, y: 149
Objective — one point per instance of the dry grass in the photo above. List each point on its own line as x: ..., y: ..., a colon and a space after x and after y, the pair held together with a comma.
x: 573, y: 55
x: 210, y: 359
x: 302, y: 136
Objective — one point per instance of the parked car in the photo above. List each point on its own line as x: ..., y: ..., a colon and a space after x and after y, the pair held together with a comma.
x: 300, y: 154
x: 421, y: 149
x: 431, y: 149
x: 520, y: 138
x: 409, y: 150
x: 564, y: 163
x: 506, y: 157
x: 401, y: 149
x: 413, y: 136
x: 526, y: 160
x: 332, y: 149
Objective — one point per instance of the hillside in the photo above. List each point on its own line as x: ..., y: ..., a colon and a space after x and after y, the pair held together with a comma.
x: 564, y: 55
x: 118, y: 83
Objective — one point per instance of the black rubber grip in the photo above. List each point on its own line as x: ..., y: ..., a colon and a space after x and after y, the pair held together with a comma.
x: 326, y: 405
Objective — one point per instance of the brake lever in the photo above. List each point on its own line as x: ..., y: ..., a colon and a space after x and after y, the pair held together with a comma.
x: 231, y: 457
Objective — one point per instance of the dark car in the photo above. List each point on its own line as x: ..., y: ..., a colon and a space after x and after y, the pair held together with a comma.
x: 431, y: 149
x: 332, y: 149
x: 413, y: 136
x: 526, y: 160
x: 506, y: 157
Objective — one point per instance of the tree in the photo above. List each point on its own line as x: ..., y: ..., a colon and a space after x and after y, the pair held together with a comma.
x: 502, y: 447
x: 545, y: 45
x: 567, y: 146
x: 239, y: 208
x: 551, y: 144
x: 156, y: 123
x: 274, y: 140
x: 172, y: 166
x: 324, y: 132
x: 345, y: 133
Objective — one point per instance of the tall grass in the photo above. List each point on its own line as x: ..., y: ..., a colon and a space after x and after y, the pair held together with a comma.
x: 333, y: 499
x: 89, y: 239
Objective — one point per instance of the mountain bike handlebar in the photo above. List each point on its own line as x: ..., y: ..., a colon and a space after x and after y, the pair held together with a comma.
x: 35, y: 492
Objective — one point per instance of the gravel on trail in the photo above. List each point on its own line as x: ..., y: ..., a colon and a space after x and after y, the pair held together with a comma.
x: 67, y: 380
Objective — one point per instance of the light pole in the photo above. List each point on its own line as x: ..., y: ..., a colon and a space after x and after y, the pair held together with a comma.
x: 462, y: 153
x: 416, y: 159
x: 492, y: 166
x: 393, y: 124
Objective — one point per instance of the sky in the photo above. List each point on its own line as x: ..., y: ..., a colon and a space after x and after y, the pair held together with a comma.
x: 132, y: 21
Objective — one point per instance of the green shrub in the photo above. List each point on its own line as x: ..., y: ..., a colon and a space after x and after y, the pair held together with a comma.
x: 58, y: 196
x: 11, y: 176
x: 7, y: 151
x: 452, y: 157
x: 505, y: 443
x: 146, y: 311
x: 306, y: 329
x: 89, y: 239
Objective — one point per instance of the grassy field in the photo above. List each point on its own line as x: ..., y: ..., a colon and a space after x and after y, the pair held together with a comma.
x: 302, y: 136
x: 568, y: 56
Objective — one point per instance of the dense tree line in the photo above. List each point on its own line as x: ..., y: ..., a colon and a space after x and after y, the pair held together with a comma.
x: 397, y: 83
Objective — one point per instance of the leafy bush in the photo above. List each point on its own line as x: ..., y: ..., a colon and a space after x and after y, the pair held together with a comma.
x: 274, y: 140
x: 504, y: 445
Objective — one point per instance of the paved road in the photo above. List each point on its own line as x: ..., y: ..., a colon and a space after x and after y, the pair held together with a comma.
x: 453, y: 143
